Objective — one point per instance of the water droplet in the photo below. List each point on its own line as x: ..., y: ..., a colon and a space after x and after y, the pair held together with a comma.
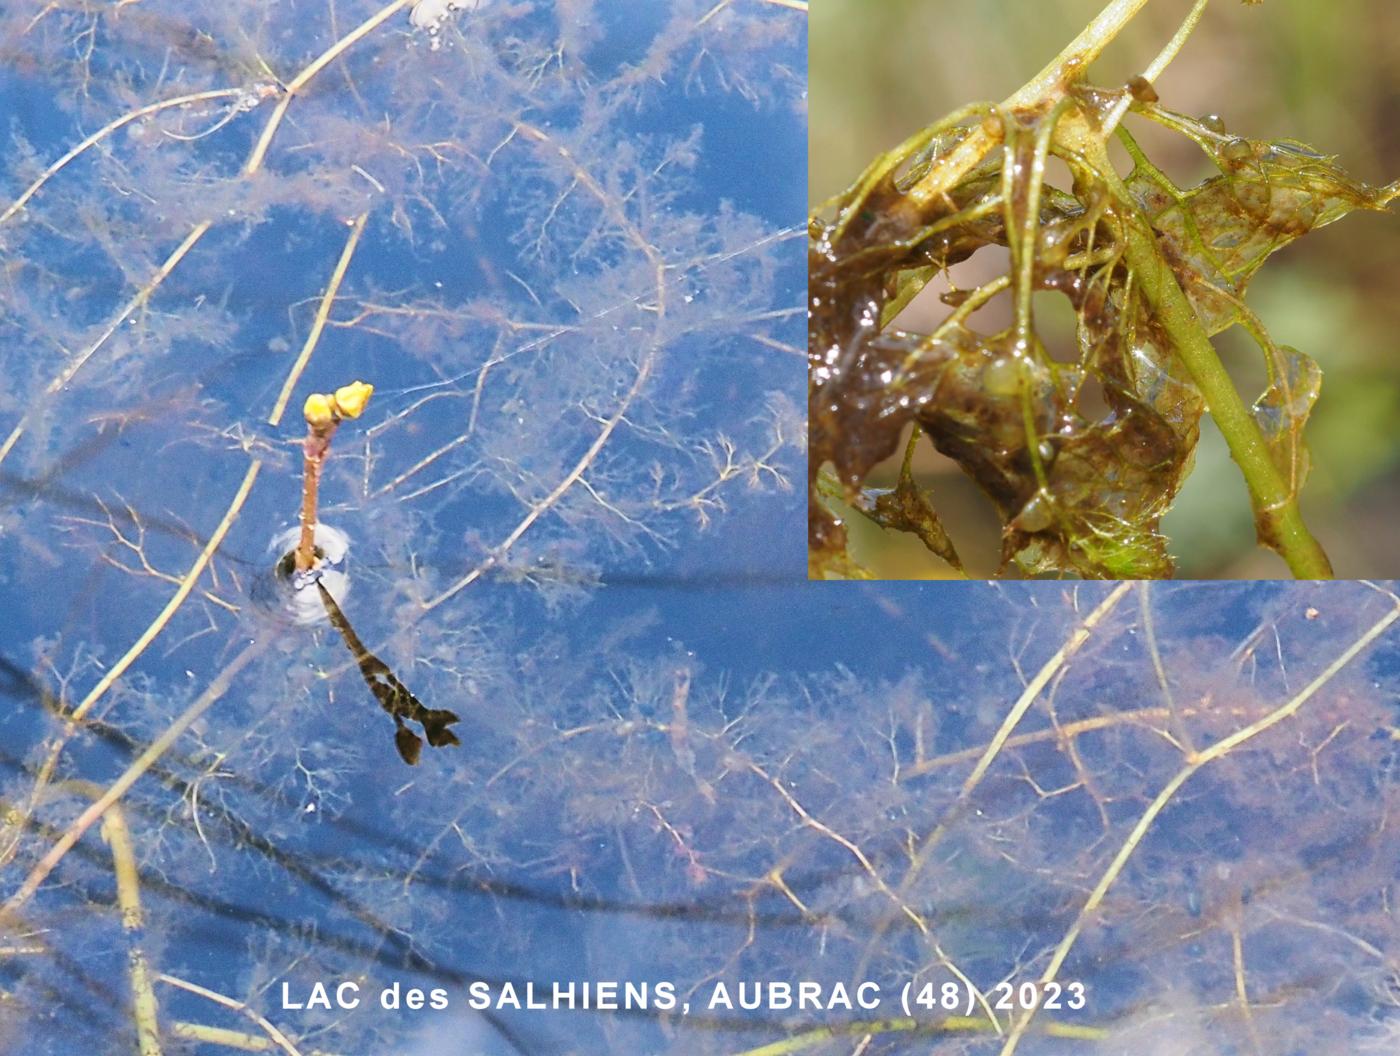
x: 1214, y: 122
x: 1237, y: 151
x: 1036, y: 515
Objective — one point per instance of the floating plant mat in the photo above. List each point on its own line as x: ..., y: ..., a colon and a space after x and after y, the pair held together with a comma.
x: 1082, y: 446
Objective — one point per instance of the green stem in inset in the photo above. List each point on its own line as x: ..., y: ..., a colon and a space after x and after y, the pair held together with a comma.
x: 1277, y: 517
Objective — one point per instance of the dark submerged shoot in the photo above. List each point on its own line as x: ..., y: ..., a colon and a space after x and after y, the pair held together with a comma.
x: 393, y: 696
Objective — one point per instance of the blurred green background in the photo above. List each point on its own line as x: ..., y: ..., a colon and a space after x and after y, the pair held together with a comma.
x: 1324, y: 73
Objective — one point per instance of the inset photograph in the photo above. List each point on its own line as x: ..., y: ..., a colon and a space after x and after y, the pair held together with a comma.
x: 1103, y: 290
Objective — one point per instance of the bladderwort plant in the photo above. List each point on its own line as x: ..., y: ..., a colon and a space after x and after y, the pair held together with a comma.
x: 542, y: 229
x: 1081, y: 459
x: 306, y: 573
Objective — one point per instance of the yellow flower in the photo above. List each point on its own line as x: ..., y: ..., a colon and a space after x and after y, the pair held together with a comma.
x: 318, y: 410
x: 350, y: 399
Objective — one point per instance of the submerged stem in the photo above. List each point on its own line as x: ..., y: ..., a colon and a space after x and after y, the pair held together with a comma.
x: 1194, y: 762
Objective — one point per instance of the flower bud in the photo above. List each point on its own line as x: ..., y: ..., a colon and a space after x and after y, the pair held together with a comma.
x: 350, y: 399
x: 318, y: 410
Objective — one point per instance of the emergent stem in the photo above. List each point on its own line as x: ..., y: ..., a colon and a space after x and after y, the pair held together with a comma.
x: 314, y: 449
